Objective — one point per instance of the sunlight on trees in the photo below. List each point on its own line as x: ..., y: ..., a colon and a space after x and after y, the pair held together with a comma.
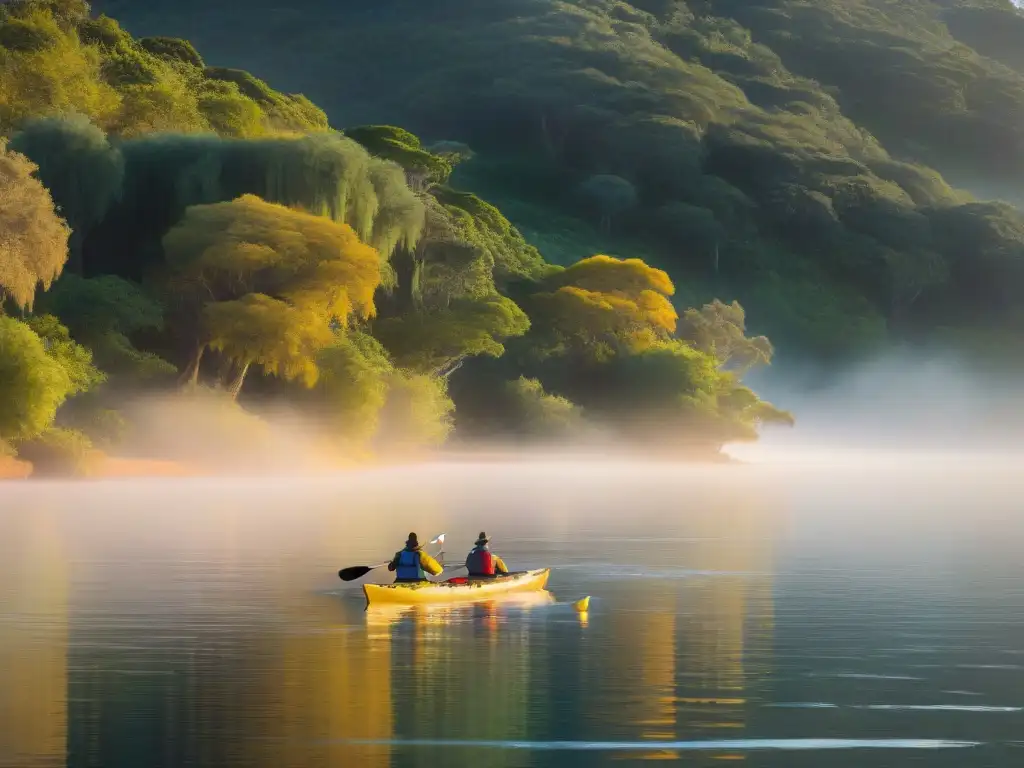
x: 33, y: 238
x: 32, y: 383
x: 263, y: 283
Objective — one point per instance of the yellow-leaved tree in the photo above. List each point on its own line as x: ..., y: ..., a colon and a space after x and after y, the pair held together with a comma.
x: 265, y: 284
x: 605, y: 336
x: 601, y: 303
x: 33, y: 238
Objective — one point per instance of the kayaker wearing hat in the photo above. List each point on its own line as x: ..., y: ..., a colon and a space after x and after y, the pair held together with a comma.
x: 412, y: 563
x: 481, y: 561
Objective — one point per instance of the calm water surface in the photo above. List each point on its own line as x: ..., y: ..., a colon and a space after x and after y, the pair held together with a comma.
x: 867, y: 614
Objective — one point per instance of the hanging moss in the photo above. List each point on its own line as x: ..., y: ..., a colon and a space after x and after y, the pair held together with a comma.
x: 401, y: 215
x: 326, y: 174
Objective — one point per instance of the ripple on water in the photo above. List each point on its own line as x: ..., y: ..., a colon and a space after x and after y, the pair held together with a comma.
x: 746, y: 745
x: 892, y: 707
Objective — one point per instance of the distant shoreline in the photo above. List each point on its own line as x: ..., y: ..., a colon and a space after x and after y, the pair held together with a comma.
x: 112, y: 467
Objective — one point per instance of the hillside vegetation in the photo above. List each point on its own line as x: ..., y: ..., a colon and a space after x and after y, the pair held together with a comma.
x: 186, y: 231
x: 789, y: 153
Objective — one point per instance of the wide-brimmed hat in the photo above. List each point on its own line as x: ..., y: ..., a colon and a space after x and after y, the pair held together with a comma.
x: 482, y: 539
x: 412, y: 542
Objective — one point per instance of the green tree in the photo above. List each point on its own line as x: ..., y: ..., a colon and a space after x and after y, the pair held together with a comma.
x: 421, y: 166
x: 174, y: 49
x: 669, y: 395
x: 437, y: 342
x: 484, y: 227
x: 75, y: 359
x: 33, y: 238
x: 33, y: 383
x: 94, y: 307
x: 104, y: 312
x: 522, y: 409
x: 720, y: 330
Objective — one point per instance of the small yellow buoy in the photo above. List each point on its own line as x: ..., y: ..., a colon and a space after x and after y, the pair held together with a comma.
x: 582, y: 605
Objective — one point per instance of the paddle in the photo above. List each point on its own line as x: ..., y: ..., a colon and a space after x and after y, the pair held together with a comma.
x: 358, y: 571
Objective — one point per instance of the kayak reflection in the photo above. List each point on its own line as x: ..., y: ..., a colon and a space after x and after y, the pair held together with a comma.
x: 379, y: 615
x: 465, y: 671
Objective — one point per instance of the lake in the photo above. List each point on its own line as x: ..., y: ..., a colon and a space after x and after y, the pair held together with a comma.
x: 825, y: 610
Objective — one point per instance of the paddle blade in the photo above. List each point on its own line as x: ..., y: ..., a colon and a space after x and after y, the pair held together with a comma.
x: 439, y: 539
x: 354, y: 572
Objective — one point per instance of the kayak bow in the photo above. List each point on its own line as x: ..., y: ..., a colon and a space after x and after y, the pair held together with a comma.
x: 461, y: 591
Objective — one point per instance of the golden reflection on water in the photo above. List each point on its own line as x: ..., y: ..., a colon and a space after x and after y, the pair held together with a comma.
x: 331, y: 686
x: 686, y: 651
x: 670, y: 660
x: 470, y: 674
x: 33, y: 643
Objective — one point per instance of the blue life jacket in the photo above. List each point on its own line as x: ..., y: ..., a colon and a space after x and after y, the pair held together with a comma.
x: 409, y: 566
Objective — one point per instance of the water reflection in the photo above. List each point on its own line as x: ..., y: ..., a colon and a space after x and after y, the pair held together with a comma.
x: 686, y: 655
x: 217, y: 653
x: 33, y: 642
x: 466, y: 672
x: 218, y: 637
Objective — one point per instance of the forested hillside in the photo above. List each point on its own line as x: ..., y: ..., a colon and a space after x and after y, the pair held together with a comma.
x: 788, y: 153
x: 178, y: 227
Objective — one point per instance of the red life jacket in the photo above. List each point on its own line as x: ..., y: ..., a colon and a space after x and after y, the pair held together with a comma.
x: 480, y: 562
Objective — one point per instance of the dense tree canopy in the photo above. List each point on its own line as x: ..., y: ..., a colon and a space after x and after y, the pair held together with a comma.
x: 748, y: 148
x: 55, y: 59
x: 222, y: 234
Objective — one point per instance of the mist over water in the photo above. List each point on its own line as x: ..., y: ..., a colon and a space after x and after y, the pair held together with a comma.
x: 863, y: 613
x: 848, y: 592
x: 903, y: 406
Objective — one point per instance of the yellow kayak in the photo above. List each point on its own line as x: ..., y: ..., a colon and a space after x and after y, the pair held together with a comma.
x: 382, y: 616
x: 456, y: 591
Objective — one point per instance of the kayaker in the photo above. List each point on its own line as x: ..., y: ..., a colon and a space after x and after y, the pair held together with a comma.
x: 412, y: 563
x: 481, y: 561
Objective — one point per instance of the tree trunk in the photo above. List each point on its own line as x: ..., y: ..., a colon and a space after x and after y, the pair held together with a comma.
x: 236, y: 385
x: 190, y: 376
x: 416, y: 283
